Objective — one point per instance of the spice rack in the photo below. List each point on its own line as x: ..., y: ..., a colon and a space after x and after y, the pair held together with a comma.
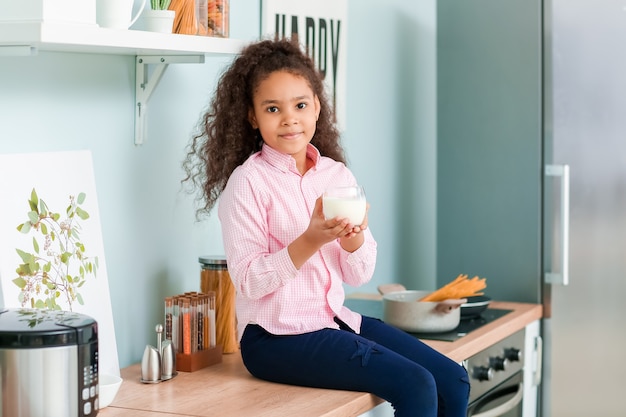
x: 201, y: 359
x: 190, y: 326
x: 27, y: 38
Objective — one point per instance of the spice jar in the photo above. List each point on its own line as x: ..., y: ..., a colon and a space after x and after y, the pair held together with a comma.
x: 169, y: 320
x: 214, y: 277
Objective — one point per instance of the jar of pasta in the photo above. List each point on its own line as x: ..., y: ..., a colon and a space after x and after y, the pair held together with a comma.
x: 214, y: 277
x: 218, y: 18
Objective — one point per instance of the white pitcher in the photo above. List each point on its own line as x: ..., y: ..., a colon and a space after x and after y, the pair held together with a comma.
x: 117, y: 14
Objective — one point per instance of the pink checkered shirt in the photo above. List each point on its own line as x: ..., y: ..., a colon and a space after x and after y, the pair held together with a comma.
x: 266, y: 205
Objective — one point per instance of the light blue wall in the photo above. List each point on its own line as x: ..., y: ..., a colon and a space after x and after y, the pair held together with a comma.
x: 67, y: 101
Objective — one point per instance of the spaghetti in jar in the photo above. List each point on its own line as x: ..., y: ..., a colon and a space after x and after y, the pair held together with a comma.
x: 214, y: 277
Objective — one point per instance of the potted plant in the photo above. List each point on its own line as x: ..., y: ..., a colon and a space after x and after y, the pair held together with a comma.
x: 160, y: 4
x: 159, y: 18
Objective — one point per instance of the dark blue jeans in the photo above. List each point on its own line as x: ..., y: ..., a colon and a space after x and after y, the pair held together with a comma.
x: 417, y: 380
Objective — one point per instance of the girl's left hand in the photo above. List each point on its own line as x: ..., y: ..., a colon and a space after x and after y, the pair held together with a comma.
x: 355, y: 230
x: 352, y: 239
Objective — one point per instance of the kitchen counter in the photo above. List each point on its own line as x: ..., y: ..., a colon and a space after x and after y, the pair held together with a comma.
x: 228, y: 389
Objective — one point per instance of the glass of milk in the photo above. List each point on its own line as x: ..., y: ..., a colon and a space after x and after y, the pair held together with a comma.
x: 345, y: 202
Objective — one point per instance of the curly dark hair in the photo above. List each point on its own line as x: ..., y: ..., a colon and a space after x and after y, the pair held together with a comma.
x: 225, y: 137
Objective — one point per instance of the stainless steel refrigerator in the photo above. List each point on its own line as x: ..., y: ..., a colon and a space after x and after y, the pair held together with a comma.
x: 528, y: 91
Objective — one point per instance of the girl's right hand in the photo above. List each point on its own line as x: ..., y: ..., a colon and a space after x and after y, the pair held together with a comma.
x: 319, y: 232
x: 323, y: 231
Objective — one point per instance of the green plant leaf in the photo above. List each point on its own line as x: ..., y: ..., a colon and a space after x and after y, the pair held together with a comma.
x: 81, y: 198
x: 38, y: 304
x: 44, y: 228
x: 82, y: 213
x: 23, y: 270
x: 43, y: 208
x: 35, y: 245
x: 56, y: 217
x: 33, y: 216
x: 34, y: 200
x: 24, y: 227
x: 26, y: 257
x: 65, y: 257
x: 80, y: 299
x: 20, y: 282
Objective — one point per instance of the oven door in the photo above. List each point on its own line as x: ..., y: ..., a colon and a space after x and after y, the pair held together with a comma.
x: 505, y: 400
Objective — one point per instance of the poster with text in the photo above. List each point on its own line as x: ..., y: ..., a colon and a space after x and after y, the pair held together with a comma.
x: 58, y: 250
x: 321, y: 28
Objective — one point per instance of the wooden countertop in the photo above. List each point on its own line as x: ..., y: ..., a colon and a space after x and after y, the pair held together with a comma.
x: 228, y: 389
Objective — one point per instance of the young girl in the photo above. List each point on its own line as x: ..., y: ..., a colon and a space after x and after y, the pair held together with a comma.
x: 269, y: 148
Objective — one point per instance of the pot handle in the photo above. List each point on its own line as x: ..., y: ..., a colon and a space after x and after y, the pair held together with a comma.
x: 447, y: 306
x: 387, y: 288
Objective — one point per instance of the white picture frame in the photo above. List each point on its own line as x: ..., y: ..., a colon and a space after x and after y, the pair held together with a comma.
x: 55, y: 176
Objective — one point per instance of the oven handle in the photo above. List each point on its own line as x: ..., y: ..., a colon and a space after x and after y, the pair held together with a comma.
x: 506, y: 407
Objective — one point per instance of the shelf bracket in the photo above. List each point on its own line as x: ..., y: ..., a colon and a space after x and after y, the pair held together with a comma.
x: 146, y: 82
x: 18, y: 50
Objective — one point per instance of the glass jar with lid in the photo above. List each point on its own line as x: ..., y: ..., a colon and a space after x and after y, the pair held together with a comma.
x: 214, y: 277
x: 218, y: 18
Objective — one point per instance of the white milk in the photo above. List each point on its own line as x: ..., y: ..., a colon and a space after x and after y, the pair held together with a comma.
x: 351, y: 208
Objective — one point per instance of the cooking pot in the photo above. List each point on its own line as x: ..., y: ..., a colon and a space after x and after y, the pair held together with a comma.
x: 402, y: 309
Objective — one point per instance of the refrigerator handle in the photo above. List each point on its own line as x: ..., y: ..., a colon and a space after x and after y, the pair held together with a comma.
x: 538, y: 361
x: 561, y: 278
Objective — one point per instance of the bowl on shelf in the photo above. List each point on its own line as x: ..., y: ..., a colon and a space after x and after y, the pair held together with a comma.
x: 109, y: 385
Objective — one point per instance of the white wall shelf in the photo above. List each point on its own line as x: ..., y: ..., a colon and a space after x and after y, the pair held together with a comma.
x: 149, y: 48
x: 39, y: 36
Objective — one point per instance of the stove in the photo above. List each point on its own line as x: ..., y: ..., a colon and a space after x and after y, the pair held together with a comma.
x: 465, y: 326
x: 374, y: 308
x: 497, y: 378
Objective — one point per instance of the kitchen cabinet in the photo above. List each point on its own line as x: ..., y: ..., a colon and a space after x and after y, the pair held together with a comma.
x: 489, y: 145
x: 149, y: 48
